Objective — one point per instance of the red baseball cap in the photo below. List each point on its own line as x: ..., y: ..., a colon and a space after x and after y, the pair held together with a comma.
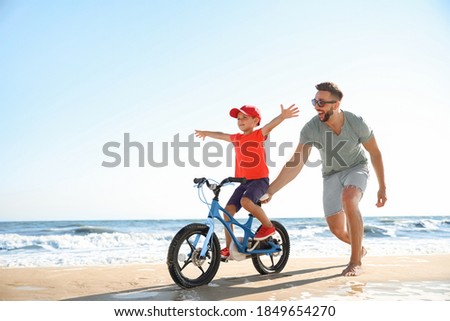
x: 246, y: 110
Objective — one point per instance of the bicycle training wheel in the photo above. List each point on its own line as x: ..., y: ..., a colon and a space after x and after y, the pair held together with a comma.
x: 186, y: 267
x: 275, y: 262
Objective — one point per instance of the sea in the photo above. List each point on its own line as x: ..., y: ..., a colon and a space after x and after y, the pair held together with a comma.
x: 114, y: 242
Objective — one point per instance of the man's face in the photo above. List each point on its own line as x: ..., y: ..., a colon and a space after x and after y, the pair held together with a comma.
x: 328, y: 103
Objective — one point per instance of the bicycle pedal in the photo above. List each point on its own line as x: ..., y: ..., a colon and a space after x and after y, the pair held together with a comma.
x: 259, y: 245
x: 264, y: 246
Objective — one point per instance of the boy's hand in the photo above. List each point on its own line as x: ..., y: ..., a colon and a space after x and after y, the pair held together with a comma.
x: 200, y: 134
x: 215, y: 135
x: 291, y: 111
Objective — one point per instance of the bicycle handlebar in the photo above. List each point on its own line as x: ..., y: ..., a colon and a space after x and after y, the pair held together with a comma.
x: 203, y: 180
x: 199, y: 180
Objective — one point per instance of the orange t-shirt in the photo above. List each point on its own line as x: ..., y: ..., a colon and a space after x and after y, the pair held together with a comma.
x: 250, y: 155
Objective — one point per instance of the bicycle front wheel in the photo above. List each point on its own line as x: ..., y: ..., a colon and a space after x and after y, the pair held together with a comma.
x: 275, y: 262
x: 185, y: 265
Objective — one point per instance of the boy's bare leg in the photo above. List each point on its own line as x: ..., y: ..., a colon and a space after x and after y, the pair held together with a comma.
x: 256, y: 211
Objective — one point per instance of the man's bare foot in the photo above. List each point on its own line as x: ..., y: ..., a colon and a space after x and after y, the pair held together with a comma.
x: 363, y: 252
x: 352, y: 270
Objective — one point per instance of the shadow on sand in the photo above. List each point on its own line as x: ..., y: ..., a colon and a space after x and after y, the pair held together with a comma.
x: 219, y: 289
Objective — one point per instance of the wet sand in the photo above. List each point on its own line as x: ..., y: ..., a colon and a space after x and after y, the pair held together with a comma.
x: 384, y: 278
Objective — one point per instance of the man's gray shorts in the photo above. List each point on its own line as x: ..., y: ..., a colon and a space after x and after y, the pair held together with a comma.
x: 334, y: 184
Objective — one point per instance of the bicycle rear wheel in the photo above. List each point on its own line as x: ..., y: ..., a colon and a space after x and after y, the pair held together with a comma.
x: 185, y: 266
x: 275, y: 262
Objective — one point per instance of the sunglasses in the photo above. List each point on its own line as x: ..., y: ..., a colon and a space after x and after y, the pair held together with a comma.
x: 321, y: 103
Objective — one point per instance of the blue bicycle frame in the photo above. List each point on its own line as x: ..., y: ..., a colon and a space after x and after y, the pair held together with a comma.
x: 214, y: 213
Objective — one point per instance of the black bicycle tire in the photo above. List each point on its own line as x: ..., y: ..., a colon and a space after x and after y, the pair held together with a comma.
x: 279, y: 266
x: 172, y: 256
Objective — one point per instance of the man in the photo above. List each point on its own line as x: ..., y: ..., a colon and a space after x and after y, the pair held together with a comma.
x: 338, y: 135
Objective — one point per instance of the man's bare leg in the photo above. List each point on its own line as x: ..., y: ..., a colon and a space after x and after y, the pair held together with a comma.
x: 350, y: 201
x: 337, y: 224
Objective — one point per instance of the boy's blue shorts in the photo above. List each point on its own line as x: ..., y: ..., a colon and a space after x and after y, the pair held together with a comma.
x: 253, y: 189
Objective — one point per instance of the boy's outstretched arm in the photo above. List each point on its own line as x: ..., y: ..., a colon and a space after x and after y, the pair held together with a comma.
x: 217, y: 135
x: 289, y: 112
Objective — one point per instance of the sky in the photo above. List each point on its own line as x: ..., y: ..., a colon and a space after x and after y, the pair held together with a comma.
x: 82, y: 80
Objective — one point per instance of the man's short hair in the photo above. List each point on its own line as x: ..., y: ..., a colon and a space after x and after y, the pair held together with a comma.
x: 332, y: 88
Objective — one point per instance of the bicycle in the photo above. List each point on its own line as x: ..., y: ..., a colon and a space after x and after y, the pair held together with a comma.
x: 194, y: 253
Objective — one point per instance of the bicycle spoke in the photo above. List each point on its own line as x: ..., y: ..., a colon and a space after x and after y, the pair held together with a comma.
x: 186, y: 263
x: 190, y: 245
x: 201, y: 269
x: 271, y: 260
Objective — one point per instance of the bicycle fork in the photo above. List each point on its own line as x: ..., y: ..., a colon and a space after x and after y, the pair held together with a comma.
x: 210, y: 224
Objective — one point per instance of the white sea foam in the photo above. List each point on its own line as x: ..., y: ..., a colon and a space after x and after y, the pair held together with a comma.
x: 29, y: 244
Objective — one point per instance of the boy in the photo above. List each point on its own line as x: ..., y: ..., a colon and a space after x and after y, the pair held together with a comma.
x: 251, y: 164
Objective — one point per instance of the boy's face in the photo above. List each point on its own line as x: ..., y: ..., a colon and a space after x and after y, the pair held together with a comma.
x: 246, y: 123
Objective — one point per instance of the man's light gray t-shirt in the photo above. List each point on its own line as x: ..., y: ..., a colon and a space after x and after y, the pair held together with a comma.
x: 338, y: 152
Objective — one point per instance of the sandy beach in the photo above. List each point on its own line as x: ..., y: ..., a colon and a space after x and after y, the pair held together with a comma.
x: 425, y: 277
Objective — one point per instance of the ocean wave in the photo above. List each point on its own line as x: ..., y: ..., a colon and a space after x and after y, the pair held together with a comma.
x: 11, y: 242
x: 376, y: 231
x: 124, y: 242
x: 74, y: 229
x: 33, y: 247
x: 421, y: 224
x: 85, y: 230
